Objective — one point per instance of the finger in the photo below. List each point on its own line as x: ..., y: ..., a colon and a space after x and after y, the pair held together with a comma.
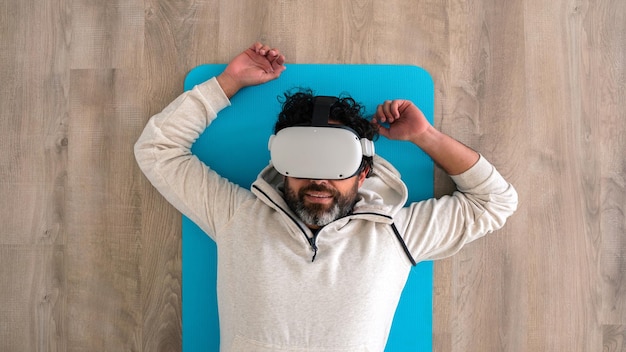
x: 395, y: 108
x: 275, y: 59
x: 256, y: 47
x: 387, y: 110
x: 278, y: 63
x: 273, y: 55
x: 380, y: 114
x: 265, y: 59
x: 260, y: 48
x: 280, y: 60
x: 382, y: 130
x: 264, y: 50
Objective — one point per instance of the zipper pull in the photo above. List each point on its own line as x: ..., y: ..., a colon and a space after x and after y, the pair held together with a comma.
x: 313, y: 246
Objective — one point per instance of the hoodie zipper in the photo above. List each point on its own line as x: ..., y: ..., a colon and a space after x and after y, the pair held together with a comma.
x: 313, y: 243
x: 310, y: 240
x: 313, y: 240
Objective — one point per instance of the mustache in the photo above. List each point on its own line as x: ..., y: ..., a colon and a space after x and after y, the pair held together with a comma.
x: 315, y: 187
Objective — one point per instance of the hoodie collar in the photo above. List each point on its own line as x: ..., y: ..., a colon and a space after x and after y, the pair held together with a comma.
x: 383, y: 193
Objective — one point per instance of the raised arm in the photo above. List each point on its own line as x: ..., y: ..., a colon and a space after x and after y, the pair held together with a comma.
x: 163, y: 151
x: 407, y: 122
x: 437, y: 228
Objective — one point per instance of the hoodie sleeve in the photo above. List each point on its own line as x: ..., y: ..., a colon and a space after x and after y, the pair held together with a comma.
x: 438, y: 228
x: 163, y: 152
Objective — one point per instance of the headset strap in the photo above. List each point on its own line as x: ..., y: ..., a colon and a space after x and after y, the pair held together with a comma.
x: 321, y: 110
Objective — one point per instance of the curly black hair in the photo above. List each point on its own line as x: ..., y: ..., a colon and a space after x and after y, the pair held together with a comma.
x: 297, y: 109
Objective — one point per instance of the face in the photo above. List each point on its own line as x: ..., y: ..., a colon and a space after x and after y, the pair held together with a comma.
x: 319, y: 202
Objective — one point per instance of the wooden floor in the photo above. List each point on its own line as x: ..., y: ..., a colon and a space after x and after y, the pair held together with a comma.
x: 90, y: 254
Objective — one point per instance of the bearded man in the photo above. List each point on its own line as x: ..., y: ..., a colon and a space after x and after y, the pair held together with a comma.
x: 315, y: 261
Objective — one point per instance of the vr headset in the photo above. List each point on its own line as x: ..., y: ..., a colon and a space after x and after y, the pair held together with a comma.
x: 321, y: 150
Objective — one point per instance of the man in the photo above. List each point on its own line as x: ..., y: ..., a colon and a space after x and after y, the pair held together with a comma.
x: 316, y: 264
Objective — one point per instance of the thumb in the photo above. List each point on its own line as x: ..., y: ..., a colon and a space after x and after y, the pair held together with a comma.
x: 382, y: 130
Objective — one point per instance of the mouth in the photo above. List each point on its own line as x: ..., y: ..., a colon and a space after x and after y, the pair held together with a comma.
x: 319, y: 197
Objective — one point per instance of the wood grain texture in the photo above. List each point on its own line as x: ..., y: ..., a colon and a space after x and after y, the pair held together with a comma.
x: 33, y: 175
x: 107, y: 34
x: 90, y: 254
x: 103, y: 254
x: 607, y: 86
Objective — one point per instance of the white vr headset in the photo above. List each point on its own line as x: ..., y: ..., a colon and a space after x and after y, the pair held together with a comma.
x: 319, y: 151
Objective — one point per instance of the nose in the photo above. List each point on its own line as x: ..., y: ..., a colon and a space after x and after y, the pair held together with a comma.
x: 319, y: 182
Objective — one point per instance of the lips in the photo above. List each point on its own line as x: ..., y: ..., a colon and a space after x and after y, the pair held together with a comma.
x: 316, y: 197
x: 319, y: 195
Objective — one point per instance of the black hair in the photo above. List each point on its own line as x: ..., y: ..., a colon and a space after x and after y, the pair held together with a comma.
x: 297, y: 109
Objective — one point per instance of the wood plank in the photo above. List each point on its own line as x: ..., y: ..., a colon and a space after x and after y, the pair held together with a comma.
x: 412, y: 33
x: 33, y: 126
x: 170, y: 51
x: 107, y: 34
x: 606, y: 87
x: 33, y: 295
x: 104, y: 247
x: 335, y: 32
x: 275, y: 24
x: 562, y: 231
x: 33, y: 175
x: 484, y: 107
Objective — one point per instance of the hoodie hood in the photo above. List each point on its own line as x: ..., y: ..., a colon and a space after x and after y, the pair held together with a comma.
x: 382, y: 193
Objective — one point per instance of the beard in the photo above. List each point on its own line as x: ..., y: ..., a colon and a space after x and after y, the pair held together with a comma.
x: 320, y: 214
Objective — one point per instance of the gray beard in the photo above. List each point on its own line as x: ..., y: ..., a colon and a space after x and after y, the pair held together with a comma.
x: 315, y: 214
x: 319, y: 218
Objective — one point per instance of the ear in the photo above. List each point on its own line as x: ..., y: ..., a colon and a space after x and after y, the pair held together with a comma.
x: 363, y: 175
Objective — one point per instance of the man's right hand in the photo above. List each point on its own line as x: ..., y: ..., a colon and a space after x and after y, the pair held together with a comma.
x: 256, y: 65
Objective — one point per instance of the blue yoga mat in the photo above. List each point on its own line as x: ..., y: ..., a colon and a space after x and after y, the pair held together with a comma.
x: 243, y: 130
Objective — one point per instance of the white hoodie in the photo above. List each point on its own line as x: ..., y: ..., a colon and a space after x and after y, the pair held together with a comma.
x: 272, y: 295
